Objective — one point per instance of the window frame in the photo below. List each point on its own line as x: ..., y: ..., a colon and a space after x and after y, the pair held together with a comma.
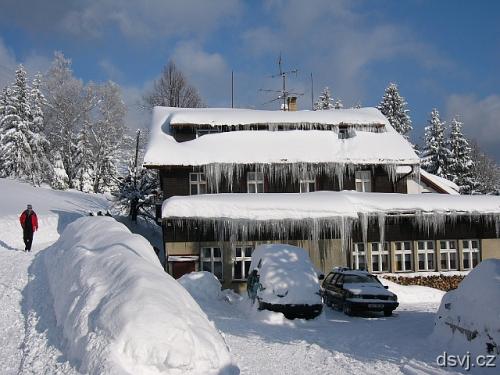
x: 307, y: 183
x: 243, y: 259
x: 425, y: 252
x: 256, y: 182
x: 212, y: 260
x: 447, y: 253
x: 356, y: 254
x: 403, y: 253
x: 364, y: 178
x: 380, y: 253
x: 470, y: 250
x: 198, y: 182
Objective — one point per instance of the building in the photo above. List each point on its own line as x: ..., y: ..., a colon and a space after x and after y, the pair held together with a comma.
x: 334, y: 182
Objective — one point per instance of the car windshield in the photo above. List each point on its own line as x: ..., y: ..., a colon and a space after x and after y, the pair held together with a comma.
x: 358, y: 279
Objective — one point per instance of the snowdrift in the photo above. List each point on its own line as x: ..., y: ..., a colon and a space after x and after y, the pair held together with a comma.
x: 120, y: 313
x: 414, y: 293
x: 469, y: 316
x: 202, y: 285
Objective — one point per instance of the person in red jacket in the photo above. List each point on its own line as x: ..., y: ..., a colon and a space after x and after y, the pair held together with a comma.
x: 29, y: 222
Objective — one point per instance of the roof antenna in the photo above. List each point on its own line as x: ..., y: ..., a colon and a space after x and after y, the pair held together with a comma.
x: 283, y: 93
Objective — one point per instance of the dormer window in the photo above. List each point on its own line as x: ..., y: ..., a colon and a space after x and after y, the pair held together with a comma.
x: 255, y: 182
x: 197, y: 183
x: 307, y: 185
x: 343, y: 132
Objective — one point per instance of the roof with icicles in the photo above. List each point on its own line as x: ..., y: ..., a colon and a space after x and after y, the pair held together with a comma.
x: 266, y: 147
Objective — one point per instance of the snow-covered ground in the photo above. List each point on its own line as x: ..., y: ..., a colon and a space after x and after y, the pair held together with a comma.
x: 31, y: 341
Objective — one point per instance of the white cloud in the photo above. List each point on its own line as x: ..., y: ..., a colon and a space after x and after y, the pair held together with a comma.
x: 111, y: 70
x: 481, y: 118
x: 208, y: 72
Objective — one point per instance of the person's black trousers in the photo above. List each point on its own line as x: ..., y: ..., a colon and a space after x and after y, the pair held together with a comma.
x: 28, y: 240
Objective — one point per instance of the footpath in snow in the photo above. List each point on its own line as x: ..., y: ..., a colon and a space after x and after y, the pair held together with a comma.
x: 29, y: 340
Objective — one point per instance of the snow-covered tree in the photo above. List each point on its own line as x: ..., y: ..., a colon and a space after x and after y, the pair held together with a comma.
x: 325, y: 100
x: 22, y: 146
x: 394, y: 107
x: 486, y: 172
x: 83, y: 160
x: 435, y: 154
x: 107, y: 133
x: 69, y: 104
x: 59, y: 178
x: 460, y: 164
x: 338, y: 104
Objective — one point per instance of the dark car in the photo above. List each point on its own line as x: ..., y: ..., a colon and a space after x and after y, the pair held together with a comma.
x: 354, y: 291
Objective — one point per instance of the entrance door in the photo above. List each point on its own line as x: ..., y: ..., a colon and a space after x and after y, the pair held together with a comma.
x: 181, y: 268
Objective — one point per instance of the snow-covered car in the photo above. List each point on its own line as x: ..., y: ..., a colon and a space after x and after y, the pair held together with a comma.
x: 283, y: 279
x: 354, y: 291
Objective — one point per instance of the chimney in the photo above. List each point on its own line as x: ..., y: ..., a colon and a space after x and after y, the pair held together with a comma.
x: 292, y: 103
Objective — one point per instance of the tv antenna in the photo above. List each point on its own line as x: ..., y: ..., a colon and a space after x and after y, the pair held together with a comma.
x: 283, y: 93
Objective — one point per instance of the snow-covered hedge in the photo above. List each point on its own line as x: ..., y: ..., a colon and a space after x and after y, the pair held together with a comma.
x: 120, y: 313
x: 469, y: 316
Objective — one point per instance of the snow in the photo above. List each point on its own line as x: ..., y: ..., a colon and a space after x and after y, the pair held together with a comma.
x: 472, y: 309
x: 264, y: 342
x: 321, y: 204
x: 236, y: 117
x: 120, y: 312
x: 201, y: 285
x: 414, y: 293
x: 286, y: 275
x: 443, y: 183
x: 280, y: 147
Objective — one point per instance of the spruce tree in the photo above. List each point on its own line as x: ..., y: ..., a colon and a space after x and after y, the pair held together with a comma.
x: 460, y: 165
x: 394, y: 107
x: 59, y: 179
x: 435, y: 155
x: 325, y: 100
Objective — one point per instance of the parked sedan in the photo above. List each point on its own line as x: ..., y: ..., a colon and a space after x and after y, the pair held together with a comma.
x: 355, y: 291
x: 283, y: 279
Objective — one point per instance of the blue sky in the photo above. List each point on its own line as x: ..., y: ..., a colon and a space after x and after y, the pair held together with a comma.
x: 442, y: 54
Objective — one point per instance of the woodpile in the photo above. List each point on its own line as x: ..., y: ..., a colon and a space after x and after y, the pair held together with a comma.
x: 442, y: 282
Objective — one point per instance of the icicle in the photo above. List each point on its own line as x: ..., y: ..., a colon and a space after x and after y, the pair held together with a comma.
x: 381, y: 227
x: 363, y: 219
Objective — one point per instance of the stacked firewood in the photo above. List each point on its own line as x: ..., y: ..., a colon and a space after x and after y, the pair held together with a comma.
x: 442, y: 282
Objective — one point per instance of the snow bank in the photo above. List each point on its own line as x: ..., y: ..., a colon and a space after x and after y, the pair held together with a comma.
x: 414, y: 293
x: 469, y: 316
x: 120, y: 312
x: 202, y: 285
x: 286, y: 275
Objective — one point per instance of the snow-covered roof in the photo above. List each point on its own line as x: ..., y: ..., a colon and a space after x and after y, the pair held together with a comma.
x: 281, y: 147
x: 323, y: 204
x: 238, y: 117
x: 448, y: 186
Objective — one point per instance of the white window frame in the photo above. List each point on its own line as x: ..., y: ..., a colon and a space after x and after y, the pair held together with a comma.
x: 200, y: 181
x: 255, y: 179
x: 364, y: 180
x: 212, y: 259
x: 425, y: 252
x: 446, y: 252
x: 357, y: 254
x: 305, y: 185
x: 243, y: 259
x: 468, y: 250
x: 380, y: 253
x: 404, y: 251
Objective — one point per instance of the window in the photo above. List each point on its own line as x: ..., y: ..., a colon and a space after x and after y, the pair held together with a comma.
x: 471, y: 253
x: 363, y: 181
x: 380, y: 257
x: 448, y: 255
x: 201, y: 132
x: 197, y: 183
x: 343, y: 132
x: 425, y: 251
x: 242, y: 260
x: 359, y: 257
x: 211, y: 260
x: 307, y: 185
x: 404, y: 257
x: 255, y: 182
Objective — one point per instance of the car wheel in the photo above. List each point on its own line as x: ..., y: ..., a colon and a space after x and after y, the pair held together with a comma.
x: 387, y: 312
x: 328, y: 302
x: 347, y: 309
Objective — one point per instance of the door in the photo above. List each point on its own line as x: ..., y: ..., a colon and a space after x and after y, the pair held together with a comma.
x: 181, y: 268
